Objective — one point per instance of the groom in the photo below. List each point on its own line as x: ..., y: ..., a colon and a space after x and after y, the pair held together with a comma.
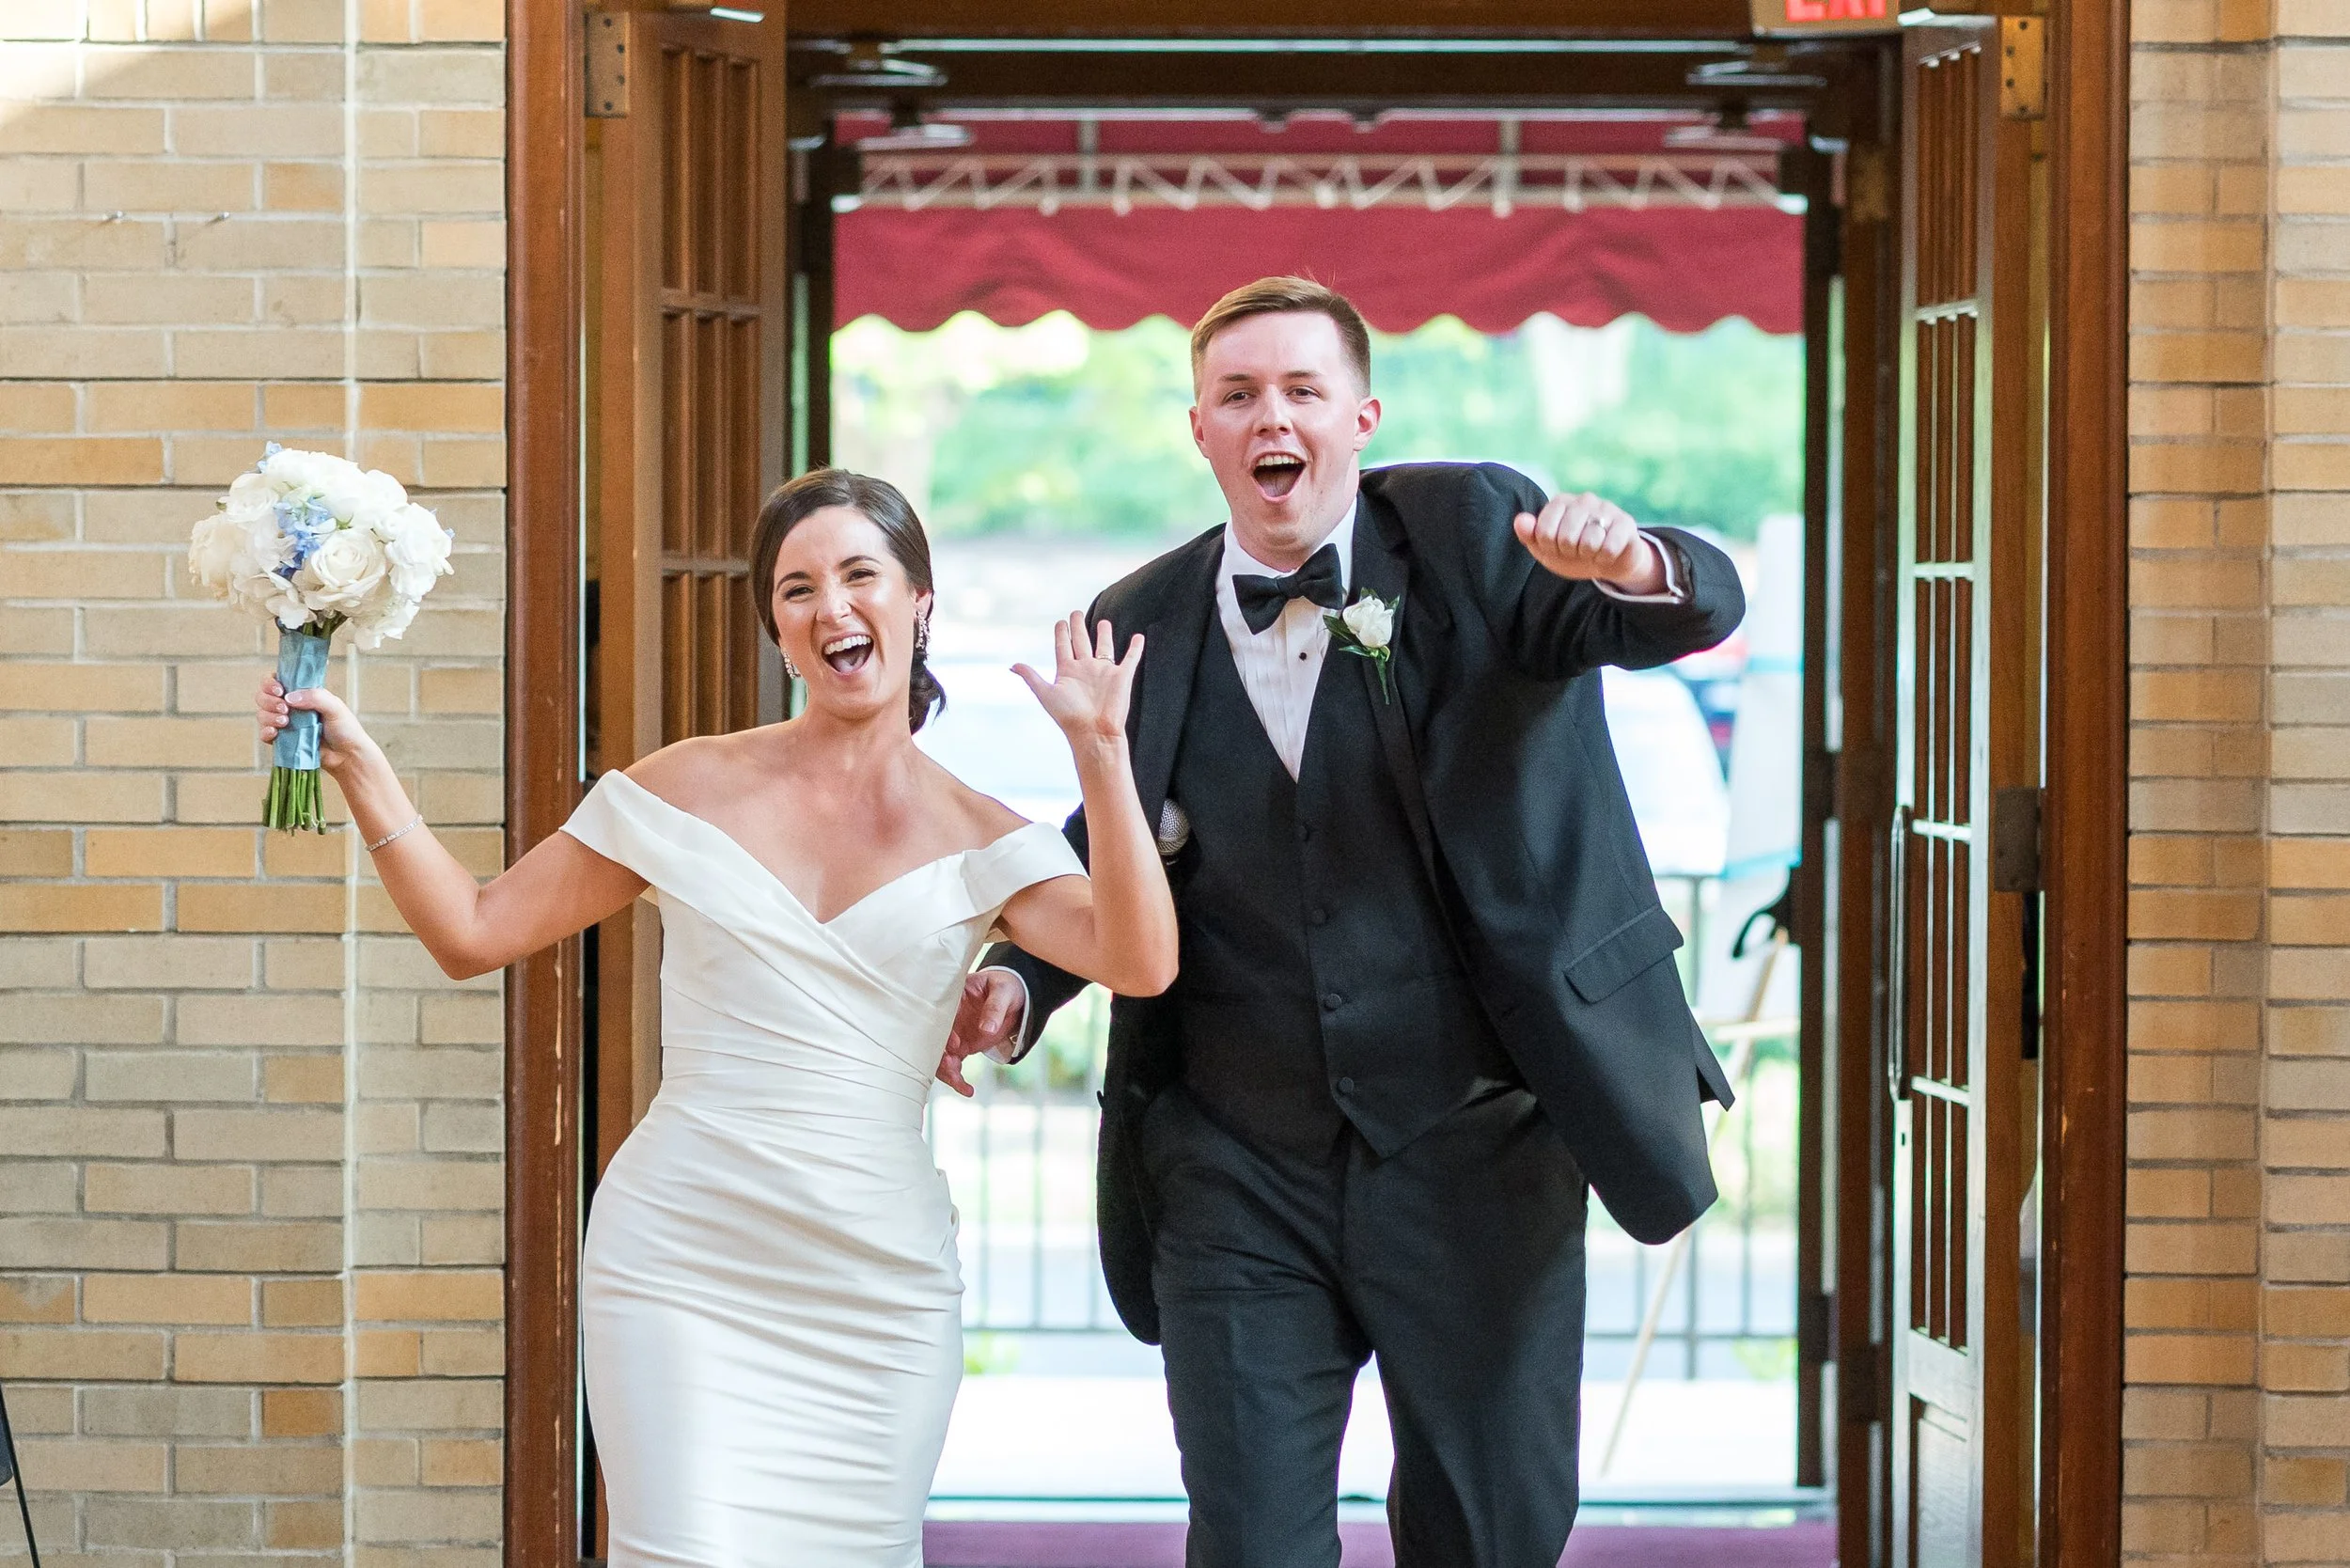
x: 1426, y: 991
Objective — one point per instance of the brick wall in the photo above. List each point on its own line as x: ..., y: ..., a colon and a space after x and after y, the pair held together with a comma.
x: 2305, y: 1273
x: 2238, y: 1305
x: 249, y: 1178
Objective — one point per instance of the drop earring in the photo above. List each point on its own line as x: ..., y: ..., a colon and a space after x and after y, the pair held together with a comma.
x: 922, y: 639
x: 789, y: 669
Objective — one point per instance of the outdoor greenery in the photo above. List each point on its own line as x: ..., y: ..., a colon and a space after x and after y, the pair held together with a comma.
x: 1054, y: 428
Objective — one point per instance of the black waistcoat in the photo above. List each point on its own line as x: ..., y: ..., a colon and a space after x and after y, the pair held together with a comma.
x: 1317, y: 984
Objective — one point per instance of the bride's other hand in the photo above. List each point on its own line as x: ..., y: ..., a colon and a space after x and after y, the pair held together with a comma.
x: 341, y: 737
x: 1091, y: 685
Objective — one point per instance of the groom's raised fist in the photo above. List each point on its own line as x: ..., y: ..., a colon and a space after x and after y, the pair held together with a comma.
x: 1589, y: 540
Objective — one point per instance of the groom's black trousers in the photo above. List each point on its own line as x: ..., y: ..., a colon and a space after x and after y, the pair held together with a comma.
x: 1458, y: 1262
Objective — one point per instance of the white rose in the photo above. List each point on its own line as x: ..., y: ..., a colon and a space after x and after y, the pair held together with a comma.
x: 253, y: 581
x: 252, y: 492
x: 343, y: 573
x: 1372, y: 622
x: 214, y: 548
x: 379, y: 494
x: 296, y: 472
x: 390, y: 621
x: 343, y: 490
x: 417, y: 547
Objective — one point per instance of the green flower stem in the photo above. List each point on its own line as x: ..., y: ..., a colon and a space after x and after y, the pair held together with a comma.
x: 296, y: 801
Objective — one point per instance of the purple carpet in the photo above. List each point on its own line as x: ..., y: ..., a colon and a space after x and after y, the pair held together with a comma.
x: 992, y: 1543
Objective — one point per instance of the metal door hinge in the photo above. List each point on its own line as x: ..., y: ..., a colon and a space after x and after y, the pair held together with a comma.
x: 2023, y: 67
x: 607, y: 65
x: 2015, y: 840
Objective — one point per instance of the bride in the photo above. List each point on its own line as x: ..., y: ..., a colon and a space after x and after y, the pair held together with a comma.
x: 769, y: 1289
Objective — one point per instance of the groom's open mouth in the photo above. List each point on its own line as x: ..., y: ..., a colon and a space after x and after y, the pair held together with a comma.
x: 847, y: 654
x: 1277, y: 474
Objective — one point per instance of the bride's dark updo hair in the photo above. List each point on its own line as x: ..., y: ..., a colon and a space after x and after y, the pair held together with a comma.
x: 881, y: 505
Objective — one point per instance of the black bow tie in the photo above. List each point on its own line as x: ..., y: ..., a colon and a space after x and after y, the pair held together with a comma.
x: 1262, y: 599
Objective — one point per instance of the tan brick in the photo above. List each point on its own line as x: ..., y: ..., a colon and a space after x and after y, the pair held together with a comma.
x: 190, y: 1525
x: 167, y: 1412
x: 429, y: 1296
x: 2197, y: 1358
x: 315, y: 1080
x: 37, y: 1299
x: 38, y: 742
x: 33, y: 687
x: 268, y: 1247
x: 257, y: 1357
x: 35, y: 853
x: 300, y: 1413
x: 82, y: 1131
x: 170, y: 1076
x: 446, y: 1462
x: 2305, y: 1483
x: 303, y: 855
x: 387, y: 1352
x: 88, y: 797
x: 279, y: 908
x: 2306, y: 1369
x: 168, y: 1189
x: 297, y: 405
x: 302, y: 1303
x: 2306, y: 1143
x: 93, y: 1356
x: 167, y: 1298
x: 432, y: 406
x: 464, y: 1353
x: 264, y: 1136
x: 2309, y: 1199
x: 277, y: 1470
x: 88, y: 1465
x: 260, y: 1021
x: 42, y: 1242
x: 81, y: 129
x: 167, y: 962
x: 2207, y: 1470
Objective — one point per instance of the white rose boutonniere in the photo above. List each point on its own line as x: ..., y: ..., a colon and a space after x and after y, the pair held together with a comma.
x: 1366, y: 629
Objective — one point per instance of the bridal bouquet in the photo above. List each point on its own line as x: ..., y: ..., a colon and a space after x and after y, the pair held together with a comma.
x: 314, y: 543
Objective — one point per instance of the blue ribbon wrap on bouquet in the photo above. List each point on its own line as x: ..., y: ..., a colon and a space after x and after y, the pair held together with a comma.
x: 301, y: 664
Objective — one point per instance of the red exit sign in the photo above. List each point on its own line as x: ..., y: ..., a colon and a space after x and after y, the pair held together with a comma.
x: 1825, y: 16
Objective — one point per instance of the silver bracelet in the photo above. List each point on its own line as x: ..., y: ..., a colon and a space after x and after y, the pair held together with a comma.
x: 409, y: 826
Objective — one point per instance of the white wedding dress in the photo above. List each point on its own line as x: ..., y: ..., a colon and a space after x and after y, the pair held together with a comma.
x: 770, y: 1296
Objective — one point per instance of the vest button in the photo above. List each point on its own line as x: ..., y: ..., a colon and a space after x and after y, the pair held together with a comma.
x: 1305, y: 833
x: 1346, y: 1086
x: 1332, y: 1002
x: 1320, y: 917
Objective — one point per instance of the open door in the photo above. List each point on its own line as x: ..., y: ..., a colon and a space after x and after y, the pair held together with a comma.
x: 1964, y: 834
x: 689, y: 428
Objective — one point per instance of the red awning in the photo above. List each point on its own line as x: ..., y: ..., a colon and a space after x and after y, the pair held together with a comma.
x: 1587, y: 221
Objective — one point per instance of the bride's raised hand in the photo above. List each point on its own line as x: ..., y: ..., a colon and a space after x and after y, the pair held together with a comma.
x: 340, y: 736
x: 1091, y: 685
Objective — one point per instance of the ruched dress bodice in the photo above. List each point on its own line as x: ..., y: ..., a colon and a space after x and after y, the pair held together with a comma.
x: 769, y: 1293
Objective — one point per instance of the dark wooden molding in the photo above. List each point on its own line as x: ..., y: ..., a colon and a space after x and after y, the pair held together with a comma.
x: 1301, y: 19
x: 543, y: 301
x: 1067, y: 80
x: 2087, y: 818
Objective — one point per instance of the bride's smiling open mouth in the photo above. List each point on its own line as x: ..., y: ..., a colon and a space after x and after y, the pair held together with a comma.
x: 849, y: 653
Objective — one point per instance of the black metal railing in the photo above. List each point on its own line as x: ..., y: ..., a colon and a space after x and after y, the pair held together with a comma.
x: 1020, y: 1159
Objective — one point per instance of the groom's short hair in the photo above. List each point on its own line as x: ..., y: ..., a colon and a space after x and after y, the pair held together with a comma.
x: 1270, y: 294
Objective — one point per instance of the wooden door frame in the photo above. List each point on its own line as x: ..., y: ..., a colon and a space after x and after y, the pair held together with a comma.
x: 2086, y: 814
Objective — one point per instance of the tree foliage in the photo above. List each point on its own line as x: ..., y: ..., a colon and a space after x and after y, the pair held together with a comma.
x: 1052, y: 429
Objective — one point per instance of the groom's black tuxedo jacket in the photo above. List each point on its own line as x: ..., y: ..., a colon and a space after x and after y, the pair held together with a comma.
x: 1499, y: 748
